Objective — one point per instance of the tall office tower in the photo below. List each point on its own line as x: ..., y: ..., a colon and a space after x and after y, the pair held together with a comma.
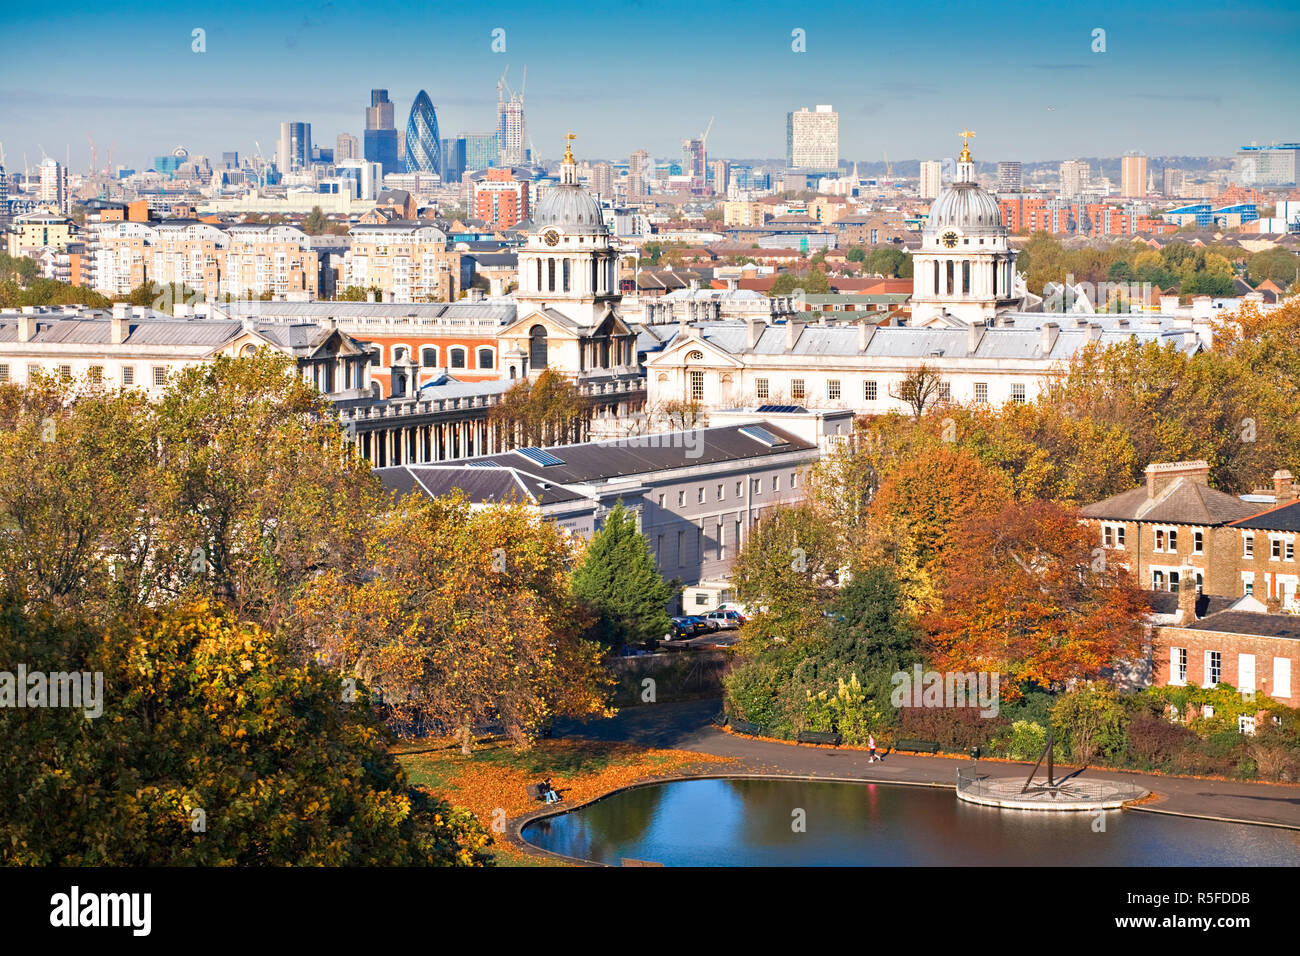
x: 1133, y: 175
x: 481, y: 150
x: 512, y: 133
x: 602, y: 180
x: 453, y: 159
x: 720, y: 174
x: 230, y: 160
x: 381, y: 135
x: 812, y: 139
x: 1010, y: 178
x: 295, y: 146
x: 54, y: 185
x: 423, y: 145
x: 931, y: 178
x: 346, y: 147
x: 638, y: 165
x: 4, y: 197
x: 1274, y: 165
x: 1172, y: 181
x: 693, y: 161
x: 1075, y: 175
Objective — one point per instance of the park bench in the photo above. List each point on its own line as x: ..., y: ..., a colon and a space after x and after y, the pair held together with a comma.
x: 536, y: 791
x: 746, y: 728
x: 818, y: 737
x: 913, y: 745
x: 720, y: 719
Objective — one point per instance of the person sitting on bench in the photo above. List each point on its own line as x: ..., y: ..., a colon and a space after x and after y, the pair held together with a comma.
x: 549, y: 791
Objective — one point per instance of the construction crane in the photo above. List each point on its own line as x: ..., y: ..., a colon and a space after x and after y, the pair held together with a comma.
x: 261, y: 169
x: 704, y: 137
x: 889, y: 168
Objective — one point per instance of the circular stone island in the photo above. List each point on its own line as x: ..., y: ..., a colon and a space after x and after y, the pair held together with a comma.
x: 1069, y: 794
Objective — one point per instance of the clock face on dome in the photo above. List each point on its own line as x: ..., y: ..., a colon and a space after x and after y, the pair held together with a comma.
x: 949, y: 239
x: 551, y: 237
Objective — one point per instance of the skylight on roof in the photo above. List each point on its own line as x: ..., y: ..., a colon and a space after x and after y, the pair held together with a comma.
x: 761, y: 434
x: 483, y: 464
x: 539, y: 456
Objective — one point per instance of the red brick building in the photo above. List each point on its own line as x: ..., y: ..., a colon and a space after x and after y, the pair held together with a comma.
x: 501, y: 199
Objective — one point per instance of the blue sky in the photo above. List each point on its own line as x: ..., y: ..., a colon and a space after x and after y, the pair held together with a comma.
x: 1194, y: 78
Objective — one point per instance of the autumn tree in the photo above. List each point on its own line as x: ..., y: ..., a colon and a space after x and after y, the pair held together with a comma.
x: 917, y: 516
x: 462, y: 616
x: 921, y: 389
x: 785, y: 573
x: 211, y: 747
x: 620, y: 585
x: 548, y: 410
x: 1026, y: 593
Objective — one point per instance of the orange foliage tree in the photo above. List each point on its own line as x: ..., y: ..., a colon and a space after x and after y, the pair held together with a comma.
x: 1027, y: 595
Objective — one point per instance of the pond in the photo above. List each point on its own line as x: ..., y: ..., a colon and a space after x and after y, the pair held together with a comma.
x: 739, y: 822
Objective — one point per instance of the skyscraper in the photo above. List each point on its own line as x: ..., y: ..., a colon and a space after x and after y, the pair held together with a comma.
x: 1010, y: 177
x: 720, y: 173
x: 295, y: 147
x: 54, y: 185
x: 602, y: 180
x: 1133, y: 175
x: 346, y: 147
x: 453, y: 159
x: 812, y: 139
x: 931, y: 179
x: 381, y: 134
x: 512, y: 132
x: 423, y: 146
x: 1172, y: 181
x: 693, y: 161
x: 481, y: 150
x: 1075, y: 175
x: 638, y: 165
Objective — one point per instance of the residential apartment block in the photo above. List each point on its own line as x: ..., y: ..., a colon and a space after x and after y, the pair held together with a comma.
x: 407, y: 261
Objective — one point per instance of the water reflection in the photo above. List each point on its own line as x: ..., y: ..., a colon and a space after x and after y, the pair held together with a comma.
x: 749, y: 823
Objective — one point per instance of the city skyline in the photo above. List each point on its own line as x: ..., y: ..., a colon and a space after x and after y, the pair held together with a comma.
x: 1026, y: 80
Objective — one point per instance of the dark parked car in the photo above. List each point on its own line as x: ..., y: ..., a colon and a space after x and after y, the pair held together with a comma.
x: 685, y: 627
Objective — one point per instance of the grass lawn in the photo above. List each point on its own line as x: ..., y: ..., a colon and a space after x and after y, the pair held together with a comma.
x: 493, y: 778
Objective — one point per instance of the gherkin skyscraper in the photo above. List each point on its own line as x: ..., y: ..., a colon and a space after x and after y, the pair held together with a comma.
x: 423, y: 147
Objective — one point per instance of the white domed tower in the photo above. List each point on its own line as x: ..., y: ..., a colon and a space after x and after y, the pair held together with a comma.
x: 567, y: 263
x: 964, y: 271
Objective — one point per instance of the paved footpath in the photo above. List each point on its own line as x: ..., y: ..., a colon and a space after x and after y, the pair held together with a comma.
x: 687, y: 726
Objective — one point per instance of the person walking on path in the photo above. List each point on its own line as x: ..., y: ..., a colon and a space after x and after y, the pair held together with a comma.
x: 871, y: 746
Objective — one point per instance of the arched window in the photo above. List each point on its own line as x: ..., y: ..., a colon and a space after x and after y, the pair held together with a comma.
x: 429, y: 356
x: 484, y: 358
x: 456, y: 358
x: 537, y: 346
x: 399, y: 354
x: 995, y: 280
x: 965, y: 275
x: 696, y: 356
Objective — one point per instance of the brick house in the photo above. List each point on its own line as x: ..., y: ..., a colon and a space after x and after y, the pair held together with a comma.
x: 1265, y: 551
x: 1203, y: 640
x: 1174, y: 529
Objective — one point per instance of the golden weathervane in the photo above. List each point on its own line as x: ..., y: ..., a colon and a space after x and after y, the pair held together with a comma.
x: 965, y: 135
x: 568, y: 147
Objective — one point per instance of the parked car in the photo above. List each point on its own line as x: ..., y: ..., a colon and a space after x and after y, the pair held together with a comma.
x: 726, y: 620
x: 686, y: 627
x: 710, y: 625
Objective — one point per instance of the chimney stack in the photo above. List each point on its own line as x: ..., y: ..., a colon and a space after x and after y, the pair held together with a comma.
x: 26, y: 326
x: 119, y: 325
x: 974, y: 333
x: 866, y: 331
x: 1187, y: 595
x: 1161, y: 475
x: 1284, y: 487
x: 1050, y: 330
x: 793, y: 329
x: 753, y: 332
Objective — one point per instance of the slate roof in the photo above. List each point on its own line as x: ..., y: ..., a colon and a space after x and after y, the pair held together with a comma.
x: 1285, y: 626
x: 1166, y: 602
x: 1183, y: 501
x: 642, y: 454
x: 1281, y: 518
x: 483, y: 485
